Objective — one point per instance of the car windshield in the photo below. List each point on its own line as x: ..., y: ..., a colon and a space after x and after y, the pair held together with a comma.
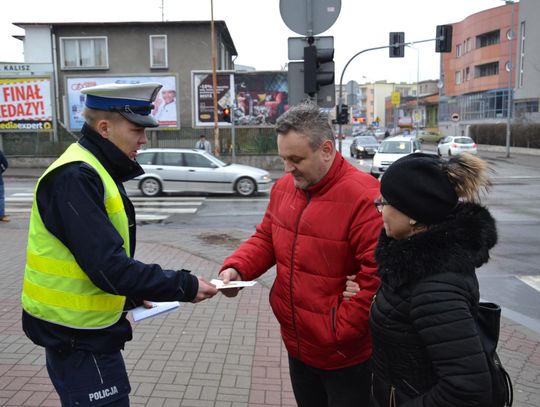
x: 366, y: 140
x: 464, y: 140
x: 395, y: 147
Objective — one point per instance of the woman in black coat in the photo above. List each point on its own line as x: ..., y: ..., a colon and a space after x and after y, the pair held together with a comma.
x: 426, y: 347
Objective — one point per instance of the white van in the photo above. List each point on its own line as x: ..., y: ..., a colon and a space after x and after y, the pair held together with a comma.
x: 392, y: 149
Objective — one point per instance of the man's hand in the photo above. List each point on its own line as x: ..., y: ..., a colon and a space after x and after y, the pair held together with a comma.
x: 351, y: 288
x: 228, y: 275
x: 206, y: 290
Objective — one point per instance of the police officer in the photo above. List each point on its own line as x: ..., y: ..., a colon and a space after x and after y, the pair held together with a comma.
x: 80, y: 275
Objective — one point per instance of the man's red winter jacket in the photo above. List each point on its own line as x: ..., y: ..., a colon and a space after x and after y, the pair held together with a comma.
x: 317, y: 237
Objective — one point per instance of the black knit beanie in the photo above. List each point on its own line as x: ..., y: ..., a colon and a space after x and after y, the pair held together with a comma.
x: 418, y: 186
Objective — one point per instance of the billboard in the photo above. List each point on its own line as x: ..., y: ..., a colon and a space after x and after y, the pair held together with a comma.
x: 259, y: 97
x: 203, y: 98
x: 25, y: 104
x: 166, y: 104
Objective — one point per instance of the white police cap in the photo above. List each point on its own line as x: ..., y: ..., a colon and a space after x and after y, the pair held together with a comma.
x: 133, y: 101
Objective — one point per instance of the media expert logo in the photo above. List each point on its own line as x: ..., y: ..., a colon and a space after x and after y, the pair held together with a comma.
x: 22, y: 125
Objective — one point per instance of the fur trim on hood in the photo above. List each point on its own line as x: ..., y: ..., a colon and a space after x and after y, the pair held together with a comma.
x: 459, y: 244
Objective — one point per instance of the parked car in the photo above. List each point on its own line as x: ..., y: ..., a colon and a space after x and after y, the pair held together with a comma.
x: 392, y: 149
x: 193, y: 170
x: 452, y: 145
x: 430, y: 136
x: 364, y: 146
x: 379, y: 133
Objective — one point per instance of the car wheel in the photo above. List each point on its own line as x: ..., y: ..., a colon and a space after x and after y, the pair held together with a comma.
x: 150, y: 187
x: 245, y: 186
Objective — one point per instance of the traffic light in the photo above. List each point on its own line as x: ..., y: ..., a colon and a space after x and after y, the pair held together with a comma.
x: 443, y: 41
x: 397, y: 51
x: 342, y: 114
x: 318, y: 68
x: 226, y: 114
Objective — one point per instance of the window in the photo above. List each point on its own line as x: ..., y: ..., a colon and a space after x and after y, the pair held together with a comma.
x: 458, y: 77
x: 529, y: 106
x: 469, y: 45
x: 158, y: 51
x: 458, y: 50
x: 490, y: 38
x: 169, y: 158
x: 486, y: 70
x: 197, y: 160
x: 467, y: 75
x: 145, y: 158
x: 84, y: 53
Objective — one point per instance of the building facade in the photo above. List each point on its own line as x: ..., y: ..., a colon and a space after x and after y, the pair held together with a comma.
x: 85, y: 54
x: 492, y: 71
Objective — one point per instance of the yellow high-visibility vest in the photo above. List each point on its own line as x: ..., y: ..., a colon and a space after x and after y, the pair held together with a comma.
x: 55, y: 288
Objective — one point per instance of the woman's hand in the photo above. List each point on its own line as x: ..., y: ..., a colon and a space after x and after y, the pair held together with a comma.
x: 351, y: 288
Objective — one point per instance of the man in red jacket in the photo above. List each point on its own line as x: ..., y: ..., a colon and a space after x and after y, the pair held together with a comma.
x: 320, y: 226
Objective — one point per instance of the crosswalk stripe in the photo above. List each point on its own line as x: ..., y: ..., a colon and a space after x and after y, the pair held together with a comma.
x: 148, y: 210
x: 169, y: 210
x: 532, y: 281
x: 157, y: 204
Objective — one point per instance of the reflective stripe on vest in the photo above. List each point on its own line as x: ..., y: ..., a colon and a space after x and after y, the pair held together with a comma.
x: 55, y: 288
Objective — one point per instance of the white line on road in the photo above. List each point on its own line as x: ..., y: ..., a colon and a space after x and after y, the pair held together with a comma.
x: 533, y: 281
x: 168, y: 210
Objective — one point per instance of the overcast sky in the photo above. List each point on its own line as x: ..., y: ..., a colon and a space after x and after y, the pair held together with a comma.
x: 260, y: 35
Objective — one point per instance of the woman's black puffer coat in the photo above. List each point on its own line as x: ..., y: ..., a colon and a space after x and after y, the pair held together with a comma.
x: 426, y: 348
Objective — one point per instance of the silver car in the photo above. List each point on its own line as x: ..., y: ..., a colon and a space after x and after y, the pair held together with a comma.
x: 194, y: 170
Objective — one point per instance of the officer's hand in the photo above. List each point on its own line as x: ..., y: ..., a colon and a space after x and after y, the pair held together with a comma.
x: 228, y: 275
x: 206, y: 290
x: 351, y: 288
x: 148, y: 304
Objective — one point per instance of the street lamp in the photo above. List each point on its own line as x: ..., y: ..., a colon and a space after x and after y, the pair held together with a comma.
x: 510, y: 70
x: 417, y: 81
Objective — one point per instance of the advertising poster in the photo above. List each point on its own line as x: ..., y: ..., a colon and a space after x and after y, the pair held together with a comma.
x: 203, y: 97
x: 261, y: 97
x: 166, y: 105
x: 25, y: 104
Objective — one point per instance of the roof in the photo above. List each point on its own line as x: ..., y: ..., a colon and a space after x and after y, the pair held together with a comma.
x: 220, y: 25
x: 400, y: 138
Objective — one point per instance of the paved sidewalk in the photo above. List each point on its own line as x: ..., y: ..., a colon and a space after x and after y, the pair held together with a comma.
x: 222, y: 352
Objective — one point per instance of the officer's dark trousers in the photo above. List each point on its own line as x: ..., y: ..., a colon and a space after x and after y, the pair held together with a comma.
x: 85, y: 379
x: 347, y: 387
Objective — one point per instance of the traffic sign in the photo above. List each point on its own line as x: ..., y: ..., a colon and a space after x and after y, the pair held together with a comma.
x: 297, y: 45
x: 455, y: 117
x: 396, y: 98
x: 309, y: 17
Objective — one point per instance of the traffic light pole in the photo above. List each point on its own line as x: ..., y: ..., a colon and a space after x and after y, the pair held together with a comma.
x: 233, y: 134
x: 340, y: 97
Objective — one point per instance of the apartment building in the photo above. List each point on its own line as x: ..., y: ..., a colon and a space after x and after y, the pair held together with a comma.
x: 494, y: 58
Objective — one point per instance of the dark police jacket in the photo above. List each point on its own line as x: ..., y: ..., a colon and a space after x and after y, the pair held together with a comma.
x: 426, y: 348
x: 97, y: 247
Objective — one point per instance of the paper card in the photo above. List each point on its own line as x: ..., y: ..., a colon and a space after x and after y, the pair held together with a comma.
x: 158, y: 308
x: 232, y: 284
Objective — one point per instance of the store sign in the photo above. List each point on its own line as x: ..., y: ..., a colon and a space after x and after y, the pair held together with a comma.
x: 25, y: 104
x: 24, y: 69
